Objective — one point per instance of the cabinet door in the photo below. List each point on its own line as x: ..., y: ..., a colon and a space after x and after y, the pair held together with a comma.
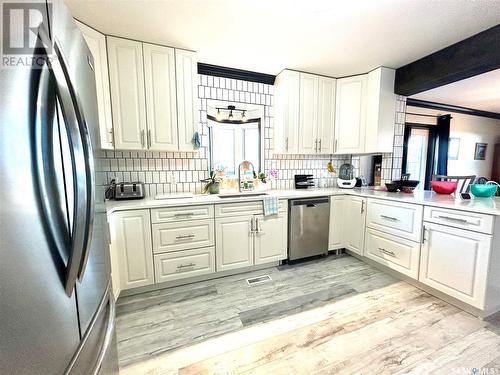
x: 233, y: 243
x: 97, y: 45
x: 131, y: 238
x: 161, y: 104
x: 308, y: 114
x: 286, y: 130
x: 455, y: 261
x: 270, y: 238
x: 350, y: 115
x: 337, y: 218
x: 126, y: 75
x: 187, y: 97
x: 326, y: 114
x: 354, y: 224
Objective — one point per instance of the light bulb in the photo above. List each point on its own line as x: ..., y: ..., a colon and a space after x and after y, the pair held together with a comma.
x: 243, y: 117
x: 230, y: 115
x: 219, y: 115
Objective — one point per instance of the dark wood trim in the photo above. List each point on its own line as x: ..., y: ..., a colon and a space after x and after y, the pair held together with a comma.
x: 451, y: 108
x: 245, y: 75
x: 467, y: 58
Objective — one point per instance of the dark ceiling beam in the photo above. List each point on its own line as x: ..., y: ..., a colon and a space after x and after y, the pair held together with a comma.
x: 245, y: 75
x: 472, y: 56
x: 451, y: 108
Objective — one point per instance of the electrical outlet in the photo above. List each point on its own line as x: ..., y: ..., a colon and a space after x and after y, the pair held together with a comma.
x: 171, y: 179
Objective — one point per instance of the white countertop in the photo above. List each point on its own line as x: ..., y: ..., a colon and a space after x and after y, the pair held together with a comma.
x: 489, y: 206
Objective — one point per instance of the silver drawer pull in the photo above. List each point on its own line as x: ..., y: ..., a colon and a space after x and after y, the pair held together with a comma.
x: 186, y: 237
x: 453, y: 219
x: 387, y: 252
x: 389, y: 218
x: 185, y: 265
x: 184, y: 214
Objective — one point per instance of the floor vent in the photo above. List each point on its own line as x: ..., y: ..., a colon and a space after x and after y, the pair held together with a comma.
x: 259, y: 280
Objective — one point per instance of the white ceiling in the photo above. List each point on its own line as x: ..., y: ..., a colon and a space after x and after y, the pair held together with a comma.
x: 331, y: 37
x: 479, y: 92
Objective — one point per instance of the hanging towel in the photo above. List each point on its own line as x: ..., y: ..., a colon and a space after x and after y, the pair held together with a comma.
x: 270, y: 205
x: 196, y: 141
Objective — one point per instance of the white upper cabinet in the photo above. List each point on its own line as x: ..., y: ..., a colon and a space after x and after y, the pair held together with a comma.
x: 97, y: 45
x: 350, y: 115
x: 187, y: 97
x: 286, y: 124
x: 326, y: 114
x: 126, y: 73
x: 365, y: 113
x: 161, y: 104
x: 380, y: 111
x: 304, y: 113
x: 308, y: 114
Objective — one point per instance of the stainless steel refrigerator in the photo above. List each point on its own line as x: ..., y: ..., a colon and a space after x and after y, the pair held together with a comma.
x: 56, y: 306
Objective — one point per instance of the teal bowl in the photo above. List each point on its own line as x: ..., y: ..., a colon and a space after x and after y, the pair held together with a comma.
x: 483, y: 190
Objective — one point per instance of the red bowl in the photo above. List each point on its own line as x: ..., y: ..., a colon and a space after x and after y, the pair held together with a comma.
x: 444, y: 187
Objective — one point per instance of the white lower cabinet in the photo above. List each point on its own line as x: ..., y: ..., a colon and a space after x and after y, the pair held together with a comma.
x: 455, y: 261
x: 335, y: 237
x: 394, y: 252
x: 354, y: 223
x: 182, y: 264
x: 234, y: 242
x: 270, y: 238
x: 131, y: 239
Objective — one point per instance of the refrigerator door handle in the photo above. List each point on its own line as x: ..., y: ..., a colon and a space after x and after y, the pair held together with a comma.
x: 81, y: 165
x: 108, y: 336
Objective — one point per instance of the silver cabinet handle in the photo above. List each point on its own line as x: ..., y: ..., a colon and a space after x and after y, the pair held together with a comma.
x: 286, y: 144
x: 142, y: 138
x: 423, y: 234
x: 336, y: 145
x: 185, y: 237
x: 252, y: 230
x: 389, y: 218
x: 387, y: 252
x: 257, y: 225
x: 316, y: 145
x: 111, y: 137
x: 185, y: 265
x: 453, y: 219
x: 319, y: 145
x: 149, y: 138
x: 362, y: 206
x: 186, y: 214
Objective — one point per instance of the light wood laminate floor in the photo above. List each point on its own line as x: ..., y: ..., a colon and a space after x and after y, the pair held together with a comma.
x: 329, y: 316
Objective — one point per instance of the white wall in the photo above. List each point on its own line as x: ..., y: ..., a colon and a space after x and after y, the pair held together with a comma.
x: 470, y: 130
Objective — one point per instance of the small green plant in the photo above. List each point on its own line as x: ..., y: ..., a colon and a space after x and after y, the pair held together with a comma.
x: 212, y: 183
x: 262, y: 177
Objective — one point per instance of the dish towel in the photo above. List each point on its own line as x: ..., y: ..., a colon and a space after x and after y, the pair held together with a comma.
x: 196, y: 141
x: 270, y: 205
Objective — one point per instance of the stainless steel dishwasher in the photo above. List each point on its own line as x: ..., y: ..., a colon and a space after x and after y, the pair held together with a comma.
x: 308, y: 227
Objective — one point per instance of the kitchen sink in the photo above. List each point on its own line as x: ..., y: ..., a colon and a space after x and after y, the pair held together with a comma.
x: 223, y: 196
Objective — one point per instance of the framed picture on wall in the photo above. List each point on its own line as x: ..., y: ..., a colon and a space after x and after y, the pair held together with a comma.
x: 480, y: 153
x: 453, y: 148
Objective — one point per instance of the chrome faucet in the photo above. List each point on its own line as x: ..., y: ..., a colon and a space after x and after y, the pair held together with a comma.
x: 245, y: 164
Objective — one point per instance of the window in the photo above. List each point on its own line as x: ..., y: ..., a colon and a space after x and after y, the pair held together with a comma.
x: 231, y: 143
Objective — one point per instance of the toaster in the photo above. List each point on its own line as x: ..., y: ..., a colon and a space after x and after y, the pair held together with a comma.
x: 304, y: 181
x: 129, y: 190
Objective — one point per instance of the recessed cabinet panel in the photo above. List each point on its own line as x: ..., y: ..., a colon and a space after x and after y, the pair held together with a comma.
x: 350, y: 115
x: 337, y: 222
x: 131, y: 238
x: 183, y: 235
x: 126, y: 75
x: 97, y: 45
x: 187, y: 97
x: 161, y: 104
x: 234, y: 243
x: 270, y: 238
x: 184, y: 264
x: 354, y: 224
x: 286, y: 96
x: 326, y: 114
x: 308, y: 114
x: 455, y: 261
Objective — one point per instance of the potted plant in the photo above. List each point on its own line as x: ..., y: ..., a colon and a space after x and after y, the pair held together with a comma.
x: 212, y: 184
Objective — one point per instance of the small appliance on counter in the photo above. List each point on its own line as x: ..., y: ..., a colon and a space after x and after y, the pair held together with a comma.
x: 304, y: 181
x: 346, y: 179
x: 125, y: 190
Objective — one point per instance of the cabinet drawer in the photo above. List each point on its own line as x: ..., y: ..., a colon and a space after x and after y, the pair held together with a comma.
x: 399, y: 254
x: 182, y: 264
x: 246, y: 208
x: 400, y: 219
x: 459, y: 219
x: 184, y: 213
x: 184, y: 235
